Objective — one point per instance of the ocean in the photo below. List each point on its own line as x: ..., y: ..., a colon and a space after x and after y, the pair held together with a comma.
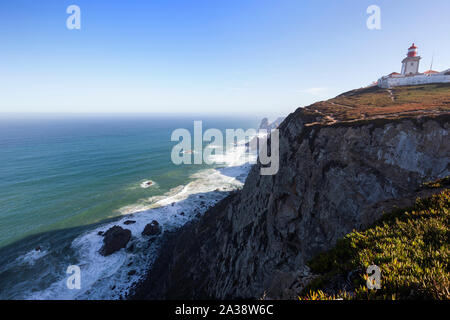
x: 65, y: 178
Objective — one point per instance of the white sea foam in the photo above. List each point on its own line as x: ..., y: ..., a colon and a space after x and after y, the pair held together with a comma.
x: 32, y: 256
x: 147, y: 184
x: 112, y: 276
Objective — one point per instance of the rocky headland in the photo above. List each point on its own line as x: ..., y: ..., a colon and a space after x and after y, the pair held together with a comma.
x: 343, y: 162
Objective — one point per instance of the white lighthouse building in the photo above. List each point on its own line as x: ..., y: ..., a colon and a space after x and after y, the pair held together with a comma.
x: 410, y: 74
x: 410, y: 65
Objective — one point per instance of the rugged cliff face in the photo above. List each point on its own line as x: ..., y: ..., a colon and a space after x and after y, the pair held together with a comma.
x: 336, y: 174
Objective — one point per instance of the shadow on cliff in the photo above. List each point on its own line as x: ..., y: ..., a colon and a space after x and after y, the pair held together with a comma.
x: 183, y: 247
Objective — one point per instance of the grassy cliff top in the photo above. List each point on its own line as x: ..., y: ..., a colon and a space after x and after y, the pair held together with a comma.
x: 374, y: 103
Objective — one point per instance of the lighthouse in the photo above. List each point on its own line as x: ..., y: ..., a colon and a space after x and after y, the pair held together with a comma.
x: 410, y: 75
x: 410, y: 65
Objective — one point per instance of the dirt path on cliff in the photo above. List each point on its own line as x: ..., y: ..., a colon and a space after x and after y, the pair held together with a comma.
x: 391, y: 95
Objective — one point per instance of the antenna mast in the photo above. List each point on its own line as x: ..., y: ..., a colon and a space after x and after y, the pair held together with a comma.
x: 432, y: 58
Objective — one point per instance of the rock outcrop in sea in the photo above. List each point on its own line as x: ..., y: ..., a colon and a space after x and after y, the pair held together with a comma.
x: 152, y: 229
x: 343, y: 162
x: 115, y: 239
x: 266, y: 125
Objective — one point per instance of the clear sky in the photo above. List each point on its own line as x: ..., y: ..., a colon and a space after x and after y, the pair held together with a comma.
x: 225, y: 56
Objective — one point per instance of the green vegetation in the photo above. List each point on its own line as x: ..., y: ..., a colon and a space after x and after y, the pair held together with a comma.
x: 437, y: 94
x: 428, y: 94
x: 441, y: 183
x: 411, y: 247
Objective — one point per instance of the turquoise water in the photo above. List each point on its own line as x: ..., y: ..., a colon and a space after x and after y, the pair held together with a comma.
x: 61, y: 177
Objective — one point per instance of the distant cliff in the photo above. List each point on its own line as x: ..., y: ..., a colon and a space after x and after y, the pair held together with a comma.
x: 342, y: 163
x: 266, y: 125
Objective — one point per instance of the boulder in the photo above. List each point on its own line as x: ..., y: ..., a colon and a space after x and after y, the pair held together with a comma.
x: 152, y: 229
x: 127, y: 222
x: 115, y: 239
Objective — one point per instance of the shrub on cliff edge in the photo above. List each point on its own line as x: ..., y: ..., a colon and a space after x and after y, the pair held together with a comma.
x: 411, y: 247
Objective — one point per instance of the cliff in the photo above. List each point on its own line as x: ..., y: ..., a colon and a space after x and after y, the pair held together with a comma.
x: 343, y: 162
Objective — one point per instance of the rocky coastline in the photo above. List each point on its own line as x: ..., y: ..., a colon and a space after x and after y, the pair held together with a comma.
x: 343, y: 163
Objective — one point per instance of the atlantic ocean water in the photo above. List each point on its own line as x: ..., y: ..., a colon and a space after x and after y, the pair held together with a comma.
x: 63, y: 179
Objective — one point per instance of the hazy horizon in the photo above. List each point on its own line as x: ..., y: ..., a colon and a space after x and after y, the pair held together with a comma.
x: 220, y: 57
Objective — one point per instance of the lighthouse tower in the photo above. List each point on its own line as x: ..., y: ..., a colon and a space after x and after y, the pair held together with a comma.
x: 410, y: 65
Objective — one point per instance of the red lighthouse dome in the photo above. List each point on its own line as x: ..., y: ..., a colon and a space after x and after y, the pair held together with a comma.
x: 412, y: 51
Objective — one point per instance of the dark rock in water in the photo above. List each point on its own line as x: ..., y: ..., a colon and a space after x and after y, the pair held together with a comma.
x: 181, y: 213
x: 100, y: 233
x: 127, y: 222
x: 115, y: 239
x: 130, y: 248
x: 38, y: 248
x: 113, y: 287
x: 152, y: 229
x: 132, y: 272
x: 146, y: 184
x: 130, y: 264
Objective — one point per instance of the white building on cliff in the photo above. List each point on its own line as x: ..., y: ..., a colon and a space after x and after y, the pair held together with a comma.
x: 410, y: 73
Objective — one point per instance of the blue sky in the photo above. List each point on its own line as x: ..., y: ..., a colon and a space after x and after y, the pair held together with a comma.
x: 224, y: 56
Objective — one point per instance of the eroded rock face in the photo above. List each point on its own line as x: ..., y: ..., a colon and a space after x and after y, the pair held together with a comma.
x: 332, y: 179
x: 115, y: 239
